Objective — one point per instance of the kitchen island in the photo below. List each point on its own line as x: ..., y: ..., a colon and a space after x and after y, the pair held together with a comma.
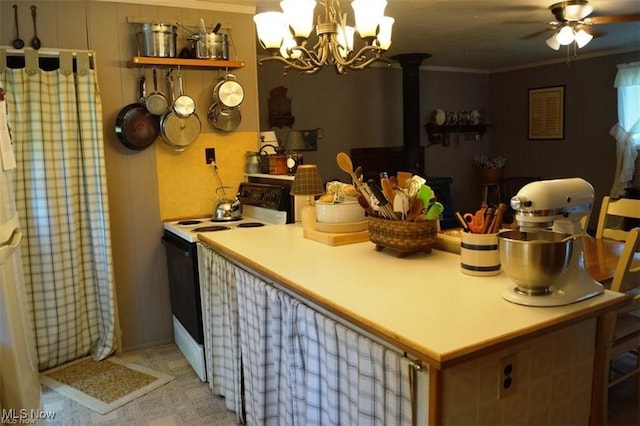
x: 458, y: 327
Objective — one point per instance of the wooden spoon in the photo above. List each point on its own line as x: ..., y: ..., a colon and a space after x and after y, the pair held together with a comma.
x: 415, y: 209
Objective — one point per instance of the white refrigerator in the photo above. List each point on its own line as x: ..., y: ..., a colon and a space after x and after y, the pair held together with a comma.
x: 19, y: 381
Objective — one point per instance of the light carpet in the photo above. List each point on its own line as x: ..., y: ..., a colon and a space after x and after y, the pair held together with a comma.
x: 104, y: 385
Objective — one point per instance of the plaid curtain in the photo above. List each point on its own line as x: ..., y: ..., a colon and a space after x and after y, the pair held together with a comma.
x: 61, y: 195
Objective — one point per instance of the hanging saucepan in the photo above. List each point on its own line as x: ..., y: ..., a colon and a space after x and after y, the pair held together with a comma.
x: 183, y: 105
x: 224, y: 118
x: 179, y: 132
x: 156, y: 102
x: 228, y: 92
x: 136, y: 127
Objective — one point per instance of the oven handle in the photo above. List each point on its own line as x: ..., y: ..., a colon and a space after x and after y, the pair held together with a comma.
x: 168, y: 243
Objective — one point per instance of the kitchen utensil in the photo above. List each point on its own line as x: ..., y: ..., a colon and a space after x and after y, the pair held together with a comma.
x: 415, y: 209
x: 183, y: 105
x: 387, y: 189
x: 136, y: 127
x: 178, y: 132
x: 216, y: 46
x: 225, y: 209
x: 365, y: 204
x: 35, y: 41
x: 497, y: 218
x: 156, y: 39
x: 403, y: 178
x: 228, y: 92
x: 463, y: 223
x: 383, y: 203
x: 488, y: 220
x: 434, y: 211
x: 346, y: 165
x: 224, y: 118
x: 156, y: 102
x: 17, y: 43
x: 535, y: 260
x: 216, y: 28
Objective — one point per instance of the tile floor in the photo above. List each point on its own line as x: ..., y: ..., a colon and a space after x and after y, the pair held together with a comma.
x: 188, y: 401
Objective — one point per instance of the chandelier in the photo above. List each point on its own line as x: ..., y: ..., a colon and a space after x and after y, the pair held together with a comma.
x: 285, y: 35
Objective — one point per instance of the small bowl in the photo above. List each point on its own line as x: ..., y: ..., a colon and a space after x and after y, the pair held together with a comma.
x: 534, y: 260
x: 345, y: 212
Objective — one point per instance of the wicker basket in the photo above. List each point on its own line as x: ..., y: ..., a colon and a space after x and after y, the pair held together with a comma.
x: 404, y: 237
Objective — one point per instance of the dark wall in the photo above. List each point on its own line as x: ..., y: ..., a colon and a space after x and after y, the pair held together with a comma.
x: 587, y: 150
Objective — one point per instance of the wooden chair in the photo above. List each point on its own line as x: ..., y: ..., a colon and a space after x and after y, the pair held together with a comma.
x: 612, y: 214
x: 621, y: 328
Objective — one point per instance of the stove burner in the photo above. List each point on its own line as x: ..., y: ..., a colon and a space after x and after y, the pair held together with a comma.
x: 211, y: 228
x: 189, y: 222
x: 250, y: 225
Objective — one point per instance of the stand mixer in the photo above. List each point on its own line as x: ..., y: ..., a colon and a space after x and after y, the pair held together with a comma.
x: 559, y: 205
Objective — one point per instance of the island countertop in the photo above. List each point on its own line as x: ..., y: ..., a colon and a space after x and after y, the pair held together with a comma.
x: 421, y: 303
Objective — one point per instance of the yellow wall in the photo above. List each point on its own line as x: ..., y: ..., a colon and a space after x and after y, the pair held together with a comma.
x: 187, y: 184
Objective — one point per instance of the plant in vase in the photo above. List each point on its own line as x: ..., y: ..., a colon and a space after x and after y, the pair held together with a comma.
x: 490, y: 168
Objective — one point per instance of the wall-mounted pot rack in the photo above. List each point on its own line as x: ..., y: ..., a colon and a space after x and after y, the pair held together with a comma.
x: 150, y: 61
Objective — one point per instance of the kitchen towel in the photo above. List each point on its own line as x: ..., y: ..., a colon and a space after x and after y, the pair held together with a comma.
x: 104, y: 385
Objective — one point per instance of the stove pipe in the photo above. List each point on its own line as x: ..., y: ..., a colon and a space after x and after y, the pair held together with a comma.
x: 413, y: 160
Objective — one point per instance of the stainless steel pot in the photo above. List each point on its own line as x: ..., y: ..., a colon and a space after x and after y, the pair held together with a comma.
x: 228, y: 92
x: 156, y: 39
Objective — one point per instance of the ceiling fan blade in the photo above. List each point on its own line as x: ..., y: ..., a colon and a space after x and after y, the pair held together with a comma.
x: 589, y: 29
x: 611, y: 19
x: 536, y: 34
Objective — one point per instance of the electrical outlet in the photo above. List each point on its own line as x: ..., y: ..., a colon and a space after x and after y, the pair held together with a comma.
x: 506, y: 376
x: 209, y: 155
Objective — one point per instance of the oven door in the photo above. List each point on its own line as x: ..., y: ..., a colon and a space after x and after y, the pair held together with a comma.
x: 184, y: 284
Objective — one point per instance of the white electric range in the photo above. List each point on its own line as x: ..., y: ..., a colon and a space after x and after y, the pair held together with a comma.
x: 262, y: 205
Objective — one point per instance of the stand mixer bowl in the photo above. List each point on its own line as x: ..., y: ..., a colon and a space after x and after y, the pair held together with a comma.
x: 534, y: 260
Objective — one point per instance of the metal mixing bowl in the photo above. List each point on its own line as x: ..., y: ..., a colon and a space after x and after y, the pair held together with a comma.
x: 534, y: 260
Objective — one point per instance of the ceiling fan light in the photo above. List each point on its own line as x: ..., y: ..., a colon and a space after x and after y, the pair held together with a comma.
x: 271, y: 27
x: 552, y: 42
x: 368, y: 14
x: 576, y: 11
x: 565, y: 36
x: 582, y: 38
x: 299, y: 14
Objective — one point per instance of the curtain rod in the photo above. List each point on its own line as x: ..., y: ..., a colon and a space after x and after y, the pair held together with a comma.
x: 47, y: 53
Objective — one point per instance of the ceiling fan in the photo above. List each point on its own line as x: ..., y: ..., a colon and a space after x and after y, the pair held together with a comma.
x: 575, y: 14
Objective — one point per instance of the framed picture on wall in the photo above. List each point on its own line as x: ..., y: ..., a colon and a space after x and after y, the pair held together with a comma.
x: 546, y: 113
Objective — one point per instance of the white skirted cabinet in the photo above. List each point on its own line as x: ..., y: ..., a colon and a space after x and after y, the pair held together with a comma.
x: 293, y: 365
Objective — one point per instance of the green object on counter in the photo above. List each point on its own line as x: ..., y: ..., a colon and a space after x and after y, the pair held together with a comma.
x: 434, y: 211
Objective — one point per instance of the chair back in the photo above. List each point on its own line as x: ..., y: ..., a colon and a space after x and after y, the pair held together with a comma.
x: 625, y: 280
x: 621, y: 208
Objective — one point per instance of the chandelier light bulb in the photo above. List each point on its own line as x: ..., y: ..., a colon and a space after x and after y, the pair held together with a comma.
x: 271, y: 28
x: 565, y: 36
x: 299, y: 15
x: 289, y: 43
x: 345, y: 40
x: 582, y: 38
x: 384, y: 34
x: 368, y: 14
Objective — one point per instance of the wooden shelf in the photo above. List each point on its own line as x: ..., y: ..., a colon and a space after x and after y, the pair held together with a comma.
x: 148, y: 61
x: 478, y: 129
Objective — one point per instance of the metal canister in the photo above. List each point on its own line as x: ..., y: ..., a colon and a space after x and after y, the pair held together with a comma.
x: 252, y: 165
